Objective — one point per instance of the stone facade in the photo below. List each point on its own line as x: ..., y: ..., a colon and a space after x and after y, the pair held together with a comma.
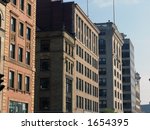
x: 110, y: 70
x: 2, y: 39
x: 72, y: 59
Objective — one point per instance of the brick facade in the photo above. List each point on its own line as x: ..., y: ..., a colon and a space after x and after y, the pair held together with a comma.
x: 17, y: 36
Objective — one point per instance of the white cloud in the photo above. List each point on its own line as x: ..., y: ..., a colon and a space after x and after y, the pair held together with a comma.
x: 106, y: 3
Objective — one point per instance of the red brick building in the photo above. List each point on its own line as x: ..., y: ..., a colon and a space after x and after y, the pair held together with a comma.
x: 19, y: 57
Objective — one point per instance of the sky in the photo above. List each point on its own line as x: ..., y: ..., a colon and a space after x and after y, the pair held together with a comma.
x: 133, y: 19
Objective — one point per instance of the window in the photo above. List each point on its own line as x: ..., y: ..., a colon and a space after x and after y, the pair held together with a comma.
x: 126, y: 63
x: 22, y: 4
x: 29, y: 9
x: 28, y: 57
x: 68, y: 86
x: 12, y: 51
x: 44, y: 46
x: 103, y: 104
x: 18, y: 107
x: 126, y: 96
x: 44, y: 65
x: 21, y: 29
x: 125, y: 46
x: 20, y: 81
x: 103, y: 93
x: 14, y: 2
x: 125, y: 71
x: 69, y: 67
x: 126, y: 88
x: 125, y: 54
x: 102, y: 61
x: 44, y: 83
x: 44, y: 104
x: 102, y: 33
x: 102, y: 71
x: 127, y: 105
x: 68, y: 95
x: 13, y: 24
x: 11, y: 79
x: 28, y: 33
x: 102, y: 81
x: 27, y: 84
x: 20, y: 54
x: 102, y: 47
x: 126, y: 79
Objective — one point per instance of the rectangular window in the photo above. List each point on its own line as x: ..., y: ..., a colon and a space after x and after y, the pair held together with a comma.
x: 44, y: 104
x: 11, y: 79
x: 29, y: 9
x: 21, y: 29
x: 45, y: 46
x: 20, y: 81
x: 68, y: 95
x: 103, y: 93
x: 102, y: 61
x: 102, y: 71
x: 13, y: 24
x: 103, y: 104
x: 12, y: 51
x: 68, y: 86
x: 27, y: 84
x: 44, y: 83
x: 102, y: 82
x: 18, y: 107
x: 44, y: 65
x: 28, y: 33
x: 22, y: 4
x: 28, y: 57
x: 20, y: 54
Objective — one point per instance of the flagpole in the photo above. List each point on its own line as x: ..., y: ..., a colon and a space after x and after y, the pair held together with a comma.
x: 88, y: 8
x: 114, y: 19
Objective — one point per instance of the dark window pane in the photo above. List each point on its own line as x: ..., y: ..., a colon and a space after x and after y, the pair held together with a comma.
x: 44, y: 83
x: 27, y: 83
x: 44, y: 65
x: 28, y: 58
x: 20, y: 54
x: 20, y: 81
x: 13, y: 24
x: 11, y: 79
x: 21, y: 29
x: 28, y: 33
x: 44, y: 46
x: 29, y: 9
x: 12, y: 51
x: 44, y: 104
x: 22, y: 4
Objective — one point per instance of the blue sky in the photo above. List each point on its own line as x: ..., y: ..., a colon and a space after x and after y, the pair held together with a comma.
x: 133, y: 19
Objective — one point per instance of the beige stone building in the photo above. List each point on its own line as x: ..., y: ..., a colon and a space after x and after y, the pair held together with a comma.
x: 2, y: 39
x: 110, y: 70
x: 19, y: 57
x: 66, y: 59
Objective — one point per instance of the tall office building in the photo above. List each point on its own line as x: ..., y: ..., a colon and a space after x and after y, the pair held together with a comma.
x: 110, y: 70
x: 18, y: 55
x: 66, y: 59
x: 128, y: 71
